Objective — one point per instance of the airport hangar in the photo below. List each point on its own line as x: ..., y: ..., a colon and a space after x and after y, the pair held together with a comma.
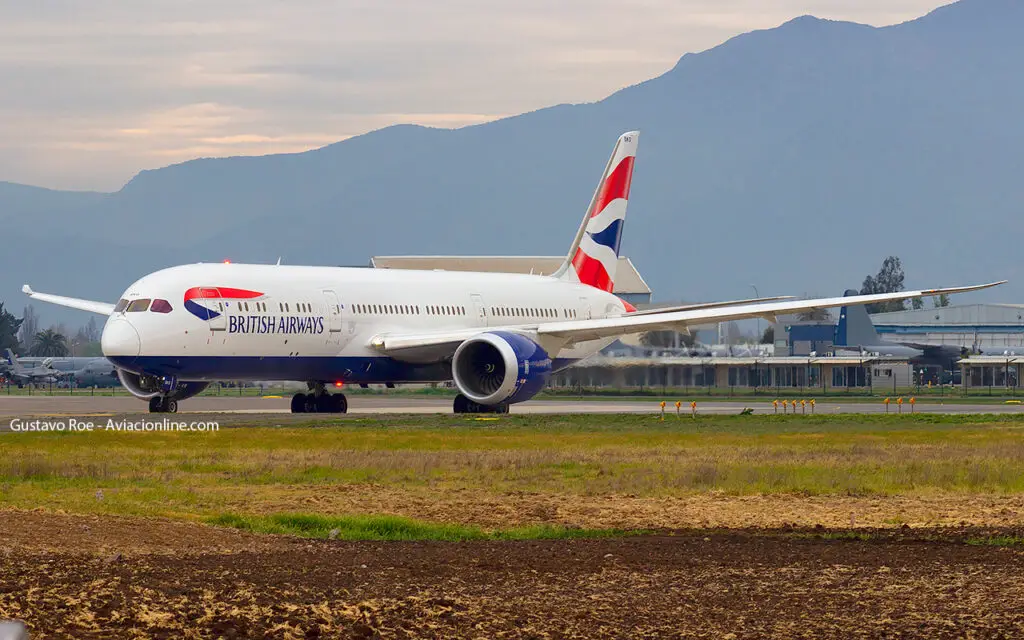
x: 977, y: 328
x: 992, y: 333
x: 632, y: 366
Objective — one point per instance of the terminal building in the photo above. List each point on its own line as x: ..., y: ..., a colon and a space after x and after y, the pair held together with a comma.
x: 810, y: 374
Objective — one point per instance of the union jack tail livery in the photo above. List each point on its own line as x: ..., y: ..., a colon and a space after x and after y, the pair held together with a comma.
x: 595, y: 251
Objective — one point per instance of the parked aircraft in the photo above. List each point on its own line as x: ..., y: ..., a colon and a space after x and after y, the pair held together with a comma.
x: 83, y: 371
x: 498, y: 336
x: 856, y: 332
x: 38, y: 374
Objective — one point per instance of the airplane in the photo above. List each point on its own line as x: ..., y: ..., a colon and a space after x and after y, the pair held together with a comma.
x: 497, y: 336
x: 40, y: 373
x: 855, y: 332
x: 83, y: 371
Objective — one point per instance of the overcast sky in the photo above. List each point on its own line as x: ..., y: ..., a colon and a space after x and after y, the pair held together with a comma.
x: 92, y: 91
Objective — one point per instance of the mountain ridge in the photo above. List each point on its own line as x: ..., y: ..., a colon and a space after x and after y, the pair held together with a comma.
x: 763, y: 159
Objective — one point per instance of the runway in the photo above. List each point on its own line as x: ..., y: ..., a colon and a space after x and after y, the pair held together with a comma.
x: 25, y: 406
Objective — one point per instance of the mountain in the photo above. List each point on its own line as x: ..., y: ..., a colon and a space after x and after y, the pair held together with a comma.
x: 793, y: 158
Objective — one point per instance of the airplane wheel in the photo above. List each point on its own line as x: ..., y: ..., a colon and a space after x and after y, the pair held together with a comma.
x: 156, y: 404
x: 299, y: 403
x: 325, y: 403
x: 340, y: 403
x: 463, y: 404
x: 171, y: 406
x: 310, y: 404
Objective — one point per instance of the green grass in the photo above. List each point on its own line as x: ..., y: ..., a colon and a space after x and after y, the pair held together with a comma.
x: 997, y: 541
x: 382, y: 527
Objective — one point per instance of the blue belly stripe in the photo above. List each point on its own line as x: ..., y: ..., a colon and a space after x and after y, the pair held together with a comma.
x: 372, y: 370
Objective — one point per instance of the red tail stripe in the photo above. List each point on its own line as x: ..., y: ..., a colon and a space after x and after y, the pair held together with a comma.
x: 615, y: 186
x: 591, y: 271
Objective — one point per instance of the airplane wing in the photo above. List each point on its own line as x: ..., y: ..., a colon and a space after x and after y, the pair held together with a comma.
x: 102, y: 308
x: 419, y: 346
x: 706, y: 305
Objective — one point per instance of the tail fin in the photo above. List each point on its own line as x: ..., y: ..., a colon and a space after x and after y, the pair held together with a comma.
x: 855, y: 328
x: 595, y: 251
x: 12, y: 360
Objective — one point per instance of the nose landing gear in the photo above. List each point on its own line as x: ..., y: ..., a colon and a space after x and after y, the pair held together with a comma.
x: 318, y: 400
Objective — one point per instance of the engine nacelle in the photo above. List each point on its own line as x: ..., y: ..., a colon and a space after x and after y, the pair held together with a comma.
x: 500, y: 368
x: 146, y: 387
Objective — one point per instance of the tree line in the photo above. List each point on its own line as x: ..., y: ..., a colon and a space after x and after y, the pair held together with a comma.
x: 25, y: 337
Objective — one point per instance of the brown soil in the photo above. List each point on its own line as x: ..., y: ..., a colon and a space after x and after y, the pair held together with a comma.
x: 101, y: 576
x: 707, y: 510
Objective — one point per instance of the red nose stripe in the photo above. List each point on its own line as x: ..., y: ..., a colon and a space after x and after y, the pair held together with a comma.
x: 221, y: 292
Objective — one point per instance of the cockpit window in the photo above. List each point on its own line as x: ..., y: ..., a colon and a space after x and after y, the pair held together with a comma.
x: 138, y: 305
x: 160, y: 306
x: 120, y: 306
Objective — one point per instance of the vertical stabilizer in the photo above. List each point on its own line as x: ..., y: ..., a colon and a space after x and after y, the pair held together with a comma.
x: 594, y: 253
x: 855, y: 328
x: 13, y: 361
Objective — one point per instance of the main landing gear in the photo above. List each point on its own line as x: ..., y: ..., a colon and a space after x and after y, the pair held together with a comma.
x: 319, y: 401
x: 160, y: 404
x: 463, y: 404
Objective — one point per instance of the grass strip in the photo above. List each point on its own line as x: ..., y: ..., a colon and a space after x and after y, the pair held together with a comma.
x: 395, y: 528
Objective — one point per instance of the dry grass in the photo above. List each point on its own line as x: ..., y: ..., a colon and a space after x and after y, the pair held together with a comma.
x: 565, y: 470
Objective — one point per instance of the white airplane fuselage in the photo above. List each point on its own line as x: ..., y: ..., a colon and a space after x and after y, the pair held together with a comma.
x: 276, y: 322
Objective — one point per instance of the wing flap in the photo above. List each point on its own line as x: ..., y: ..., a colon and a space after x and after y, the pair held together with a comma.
x: 102, y: 308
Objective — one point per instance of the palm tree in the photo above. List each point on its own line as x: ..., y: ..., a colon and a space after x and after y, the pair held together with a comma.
x: 49, y: 343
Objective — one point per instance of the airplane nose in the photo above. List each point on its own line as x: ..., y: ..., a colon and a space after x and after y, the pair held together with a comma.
x: 120, y: 339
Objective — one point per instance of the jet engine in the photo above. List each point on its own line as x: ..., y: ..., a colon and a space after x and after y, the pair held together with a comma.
x: 146, y: 387
x: 500, y: 368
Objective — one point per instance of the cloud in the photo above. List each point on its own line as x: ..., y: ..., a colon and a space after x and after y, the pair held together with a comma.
x: 96, y: 90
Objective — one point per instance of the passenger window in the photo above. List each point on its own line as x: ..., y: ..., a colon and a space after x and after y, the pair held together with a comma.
x: 160, y: 306
x: 142, y: 304
x: 121, y: 305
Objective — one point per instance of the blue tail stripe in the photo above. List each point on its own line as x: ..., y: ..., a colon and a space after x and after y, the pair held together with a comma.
x: 610, y: 236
